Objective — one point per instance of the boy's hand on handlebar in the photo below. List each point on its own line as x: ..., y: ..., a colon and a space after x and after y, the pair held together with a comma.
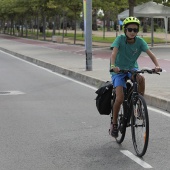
x: 115, y: 69
x: 158, y: 69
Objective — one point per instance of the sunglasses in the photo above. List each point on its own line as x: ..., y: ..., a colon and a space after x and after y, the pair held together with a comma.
x: 132, y: 29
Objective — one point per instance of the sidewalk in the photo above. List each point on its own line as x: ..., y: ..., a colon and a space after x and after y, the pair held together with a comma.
x: 70, y: 60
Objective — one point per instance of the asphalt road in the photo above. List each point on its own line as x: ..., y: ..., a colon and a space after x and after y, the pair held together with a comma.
x: 50, y: 122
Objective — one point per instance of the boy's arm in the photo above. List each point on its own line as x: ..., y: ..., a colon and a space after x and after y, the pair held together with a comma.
x: 113, y: 56
x: 113, y: 59
x: 154, y: 60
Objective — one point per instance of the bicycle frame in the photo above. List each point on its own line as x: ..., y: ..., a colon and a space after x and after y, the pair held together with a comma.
x: 130, y: 98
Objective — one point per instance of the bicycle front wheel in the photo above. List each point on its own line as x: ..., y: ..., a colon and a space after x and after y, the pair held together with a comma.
x: 140, y: 126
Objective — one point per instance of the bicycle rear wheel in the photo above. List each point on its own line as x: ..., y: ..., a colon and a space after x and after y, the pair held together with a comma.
x: 140, y: 126
x: 121, y: 125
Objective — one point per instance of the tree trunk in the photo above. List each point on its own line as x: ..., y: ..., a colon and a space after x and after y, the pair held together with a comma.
x: 104, y: 21
x: 131, y: 7
x: 54, y: 26
x: 169, y: 25
x: 22, y: 25
x: 108, y: 21
x: 11, y: 25
x: 75, y: 29
x: 94, y: 18
x: 44, y: 26
x: 38, y: 26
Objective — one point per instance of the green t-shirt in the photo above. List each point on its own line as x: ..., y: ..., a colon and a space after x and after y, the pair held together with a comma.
x: 128, y: 53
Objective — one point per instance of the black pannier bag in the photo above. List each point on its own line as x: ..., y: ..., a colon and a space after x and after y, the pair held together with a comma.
x: 103, y: 99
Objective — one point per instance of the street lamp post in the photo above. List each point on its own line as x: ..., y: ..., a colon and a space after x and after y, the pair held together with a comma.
x: 88, y: 33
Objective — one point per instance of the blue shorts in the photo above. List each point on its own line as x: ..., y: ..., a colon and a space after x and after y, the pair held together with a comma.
x: 119, y: 79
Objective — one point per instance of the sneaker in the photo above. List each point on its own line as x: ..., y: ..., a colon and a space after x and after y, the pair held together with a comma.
x: 113, y: 131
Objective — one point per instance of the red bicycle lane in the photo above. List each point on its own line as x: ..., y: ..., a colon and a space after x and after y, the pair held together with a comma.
x: 143, y: 61
x: 47, y: 44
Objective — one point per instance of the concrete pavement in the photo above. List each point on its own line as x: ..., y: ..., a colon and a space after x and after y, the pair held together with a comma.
x: 70, y: 60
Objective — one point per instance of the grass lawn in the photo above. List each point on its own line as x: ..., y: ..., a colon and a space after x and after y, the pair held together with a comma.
x: 110, y: 39
x: 80, y: 37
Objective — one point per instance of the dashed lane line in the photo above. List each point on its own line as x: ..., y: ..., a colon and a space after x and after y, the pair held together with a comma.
x: 136, y: 159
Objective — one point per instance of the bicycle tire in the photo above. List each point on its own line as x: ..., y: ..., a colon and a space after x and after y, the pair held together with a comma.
x: 140, y: 124
x: 122, y: 122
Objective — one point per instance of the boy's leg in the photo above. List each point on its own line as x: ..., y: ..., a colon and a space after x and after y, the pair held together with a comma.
x: 116, y: 107
x: 118, y: 101
x: 141, y: 84
x: 118, y: 82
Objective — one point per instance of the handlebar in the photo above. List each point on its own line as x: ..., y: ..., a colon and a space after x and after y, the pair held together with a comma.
x: 150, y: 71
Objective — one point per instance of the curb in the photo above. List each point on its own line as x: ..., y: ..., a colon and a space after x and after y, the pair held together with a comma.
x: 157, y: 102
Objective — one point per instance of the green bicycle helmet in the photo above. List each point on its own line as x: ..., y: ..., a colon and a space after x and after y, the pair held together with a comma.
x: 131, y: 20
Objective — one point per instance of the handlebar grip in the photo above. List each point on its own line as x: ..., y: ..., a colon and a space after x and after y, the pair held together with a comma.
x: 160, y: 70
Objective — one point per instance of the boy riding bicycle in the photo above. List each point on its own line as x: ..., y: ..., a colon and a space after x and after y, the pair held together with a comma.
x: 126, y: 50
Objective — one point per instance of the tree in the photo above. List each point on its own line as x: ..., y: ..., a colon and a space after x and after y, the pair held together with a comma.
x: 132, y: 4
x: 24, y: 12
x: 75, y: 6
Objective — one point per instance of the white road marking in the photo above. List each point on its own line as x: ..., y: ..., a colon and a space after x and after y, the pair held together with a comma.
x: 7, y: 93
x: 136, y: 159
x: 159, y: 111
x: 97, y: 49
x: 167, y: 59
x: 79, y: 51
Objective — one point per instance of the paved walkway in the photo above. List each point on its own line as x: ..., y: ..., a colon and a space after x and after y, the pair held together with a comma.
x: 70, y: 60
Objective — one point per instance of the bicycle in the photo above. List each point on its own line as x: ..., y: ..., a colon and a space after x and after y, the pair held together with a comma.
x: 133, y: 113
